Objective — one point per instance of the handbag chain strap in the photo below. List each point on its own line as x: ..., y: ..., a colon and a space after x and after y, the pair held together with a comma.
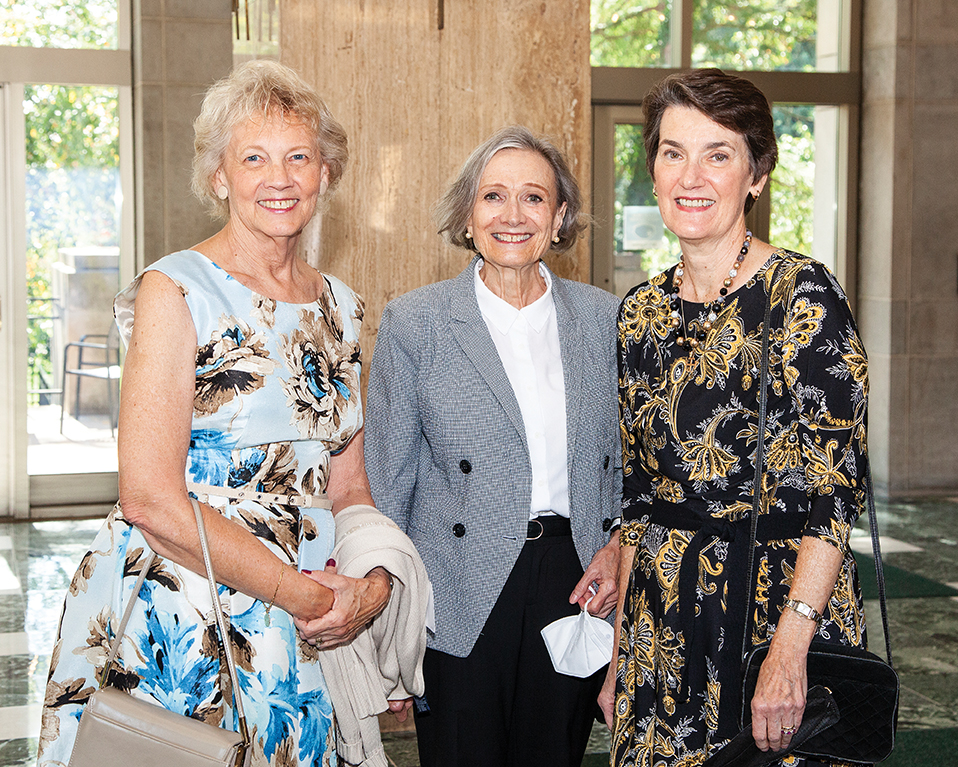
x: 220, y: 622
x: 757, y: 498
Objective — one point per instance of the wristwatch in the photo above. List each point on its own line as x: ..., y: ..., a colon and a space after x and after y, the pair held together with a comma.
x: 805, y: 610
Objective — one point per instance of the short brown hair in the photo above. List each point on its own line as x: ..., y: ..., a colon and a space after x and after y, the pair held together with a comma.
x: 259, y: 88
x: 732, y: 102
x: 455, y: 207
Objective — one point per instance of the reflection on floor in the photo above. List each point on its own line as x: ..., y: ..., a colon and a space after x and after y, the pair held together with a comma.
x: 37, y: 561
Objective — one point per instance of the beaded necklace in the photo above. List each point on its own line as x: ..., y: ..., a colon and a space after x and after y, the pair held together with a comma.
x: 693, y: 334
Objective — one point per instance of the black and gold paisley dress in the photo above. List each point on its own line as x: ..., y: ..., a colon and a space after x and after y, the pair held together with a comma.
x: 689, y: 427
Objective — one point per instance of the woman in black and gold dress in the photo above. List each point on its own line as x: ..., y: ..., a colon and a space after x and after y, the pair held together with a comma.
x: 689, y: 356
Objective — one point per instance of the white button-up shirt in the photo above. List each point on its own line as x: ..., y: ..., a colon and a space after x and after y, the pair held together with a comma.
x: 527, y: 340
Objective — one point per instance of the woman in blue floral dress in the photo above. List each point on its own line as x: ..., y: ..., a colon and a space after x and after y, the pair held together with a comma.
x: 241, y: 387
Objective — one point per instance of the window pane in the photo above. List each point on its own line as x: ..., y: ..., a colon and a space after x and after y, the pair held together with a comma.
x: 626, y: 33
x: 256, y: 30
x: 793, y: 179
x: 766, y: 35
x: 643, y: 246
x: 59, y: 23
x: 73, y: 204
x: 804, y: 185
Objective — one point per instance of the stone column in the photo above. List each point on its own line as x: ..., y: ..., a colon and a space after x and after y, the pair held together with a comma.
x: 180, y: 48
x: 908, y: 272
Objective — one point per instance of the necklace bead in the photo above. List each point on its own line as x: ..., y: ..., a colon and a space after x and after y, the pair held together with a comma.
x: 693, y: 334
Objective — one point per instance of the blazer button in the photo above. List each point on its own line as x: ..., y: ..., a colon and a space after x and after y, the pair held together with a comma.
x: 605, y: 463
x: 459, y: 529
x: 464, y: 466
x: 606, y: 523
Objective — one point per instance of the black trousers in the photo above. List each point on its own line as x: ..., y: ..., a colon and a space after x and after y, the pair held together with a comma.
x: 504, y: 705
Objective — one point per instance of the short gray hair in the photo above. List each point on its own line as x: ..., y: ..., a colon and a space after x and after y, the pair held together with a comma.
x: 259, y: 88
x: 455, y: 207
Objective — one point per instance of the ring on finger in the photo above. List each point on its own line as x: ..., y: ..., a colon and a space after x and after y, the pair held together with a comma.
x: 788, y: 730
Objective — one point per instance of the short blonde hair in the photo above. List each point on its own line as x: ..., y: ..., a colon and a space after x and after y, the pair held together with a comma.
x: 258, y: 89
x: 455, y: 207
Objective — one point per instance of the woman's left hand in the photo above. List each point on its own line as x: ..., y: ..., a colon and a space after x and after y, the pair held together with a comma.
x: 356, y: 602
x: 779, y: 701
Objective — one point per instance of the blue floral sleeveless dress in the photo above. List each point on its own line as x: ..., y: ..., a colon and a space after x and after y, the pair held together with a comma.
x: 277, y: 391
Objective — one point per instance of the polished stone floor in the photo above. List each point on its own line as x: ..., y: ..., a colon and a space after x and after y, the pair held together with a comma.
x: 919, y: 538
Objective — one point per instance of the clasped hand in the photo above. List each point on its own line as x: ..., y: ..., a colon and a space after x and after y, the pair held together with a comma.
x: 356, y: 602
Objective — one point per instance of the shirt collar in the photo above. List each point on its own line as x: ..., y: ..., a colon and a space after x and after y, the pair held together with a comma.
x: 503, y: 315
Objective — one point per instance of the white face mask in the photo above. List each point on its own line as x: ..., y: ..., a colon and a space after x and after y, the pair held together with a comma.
x: 579, y: 645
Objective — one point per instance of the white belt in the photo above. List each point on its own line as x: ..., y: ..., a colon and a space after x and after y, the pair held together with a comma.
x: 203, y: 492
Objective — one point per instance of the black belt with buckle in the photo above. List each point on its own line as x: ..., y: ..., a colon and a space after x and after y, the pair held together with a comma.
x: 548, y: 527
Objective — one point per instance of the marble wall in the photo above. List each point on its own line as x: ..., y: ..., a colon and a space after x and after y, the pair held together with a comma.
x: 908, y: 273
x: 418, y: 84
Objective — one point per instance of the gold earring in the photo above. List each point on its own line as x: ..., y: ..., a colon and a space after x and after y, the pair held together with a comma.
x: 756, y: 195
x: 654, y: 193
x: 556, y: 238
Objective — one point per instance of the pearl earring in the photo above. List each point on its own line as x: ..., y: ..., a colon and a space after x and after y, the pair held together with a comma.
x: 468, y: 235
x: 556, y: 238
x: 222, y: 192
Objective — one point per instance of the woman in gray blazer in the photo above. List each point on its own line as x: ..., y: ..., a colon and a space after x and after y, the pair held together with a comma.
x: 492, y: 439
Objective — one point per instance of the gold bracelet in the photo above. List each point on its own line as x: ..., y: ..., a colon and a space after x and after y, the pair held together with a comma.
x: 275, y: 592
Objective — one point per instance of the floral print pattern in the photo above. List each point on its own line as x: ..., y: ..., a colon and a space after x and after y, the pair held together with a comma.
x: 689, y: 432
x: 242, y: 437
x: 323, y: 374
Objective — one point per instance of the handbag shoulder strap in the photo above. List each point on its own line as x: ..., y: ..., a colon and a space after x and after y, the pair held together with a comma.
x: 876, y: 552
x: 121, y: 629
x: 221, y: 623
x: 757, y: 498
x: 759, y: 460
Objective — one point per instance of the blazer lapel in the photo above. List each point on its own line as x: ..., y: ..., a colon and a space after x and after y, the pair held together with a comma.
x: 573, y: 373
x: 472, y: 335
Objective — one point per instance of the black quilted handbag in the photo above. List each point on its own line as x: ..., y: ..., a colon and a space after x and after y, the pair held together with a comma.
x: 864, y: 686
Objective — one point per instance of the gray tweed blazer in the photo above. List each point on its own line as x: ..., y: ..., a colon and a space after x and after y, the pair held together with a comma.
x: 446, y: 450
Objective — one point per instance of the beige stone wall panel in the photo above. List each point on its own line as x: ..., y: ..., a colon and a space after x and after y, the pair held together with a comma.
x: 415, y: 100
x: 909, y: 275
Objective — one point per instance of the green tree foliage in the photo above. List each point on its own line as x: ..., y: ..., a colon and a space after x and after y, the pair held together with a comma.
x: 742, y: 34
x: 59, y: 24
x: 766, y: 35
x: 629, y: 33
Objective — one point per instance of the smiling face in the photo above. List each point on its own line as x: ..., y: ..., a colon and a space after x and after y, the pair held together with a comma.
x: 273, y: 174
x: 702, y: 177
x: 515, y: 215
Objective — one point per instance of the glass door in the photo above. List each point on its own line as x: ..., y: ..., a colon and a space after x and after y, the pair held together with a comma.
x: 73, y: 212
x: 67, y: 240
x: 71, y: 246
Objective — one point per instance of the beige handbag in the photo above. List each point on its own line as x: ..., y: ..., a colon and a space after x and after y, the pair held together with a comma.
x: 117, y: 730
